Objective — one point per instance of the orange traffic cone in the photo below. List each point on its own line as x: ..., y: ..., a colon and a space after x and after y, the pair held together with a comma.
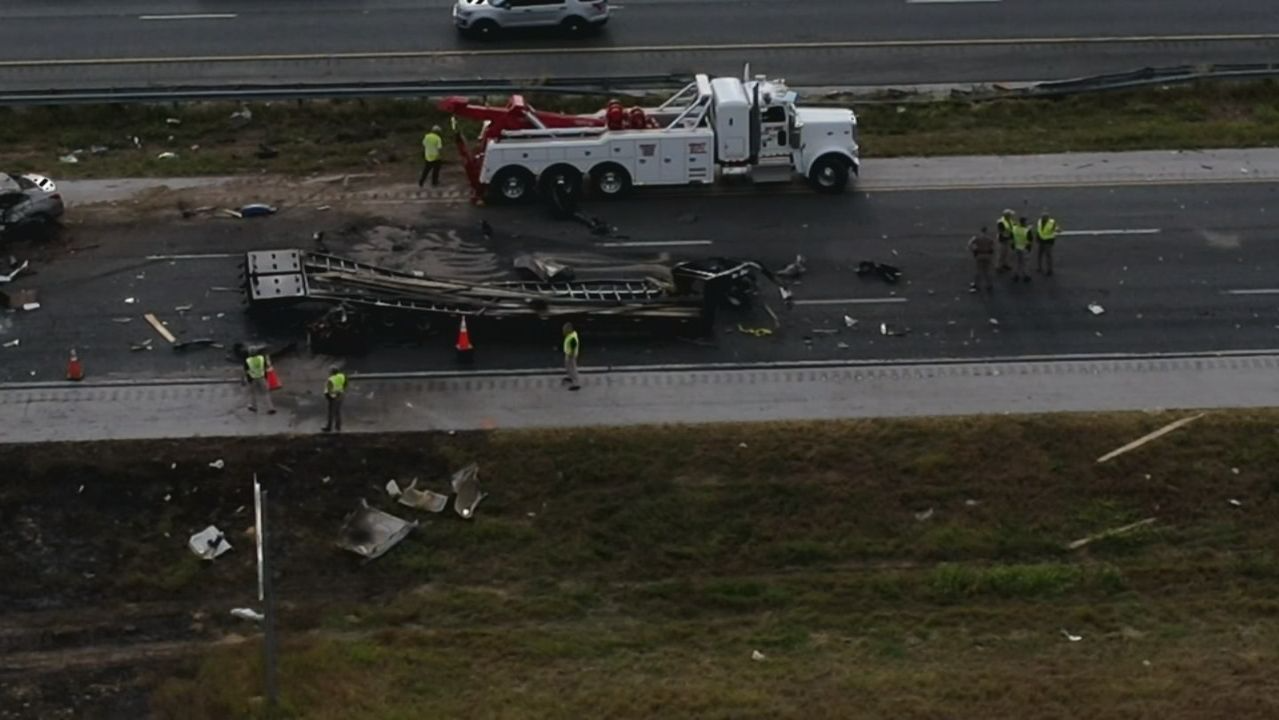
x: 75, y: 371
x: 465, y: 351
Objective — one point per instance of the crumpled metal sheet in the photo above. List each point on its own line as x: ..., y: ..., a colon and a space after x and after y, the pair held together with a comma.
x: 426, y: 500
x: 209, y: 543
x: 370, y: 532
x: 466, y: 484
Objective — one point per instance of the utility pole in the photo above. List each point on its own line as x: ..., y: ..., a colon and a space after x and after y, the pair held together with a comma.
x: 266, y: 596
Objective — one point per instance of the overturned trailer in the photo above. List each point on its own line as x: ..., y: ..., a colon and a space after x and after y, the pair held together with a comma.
x: 687, y: 300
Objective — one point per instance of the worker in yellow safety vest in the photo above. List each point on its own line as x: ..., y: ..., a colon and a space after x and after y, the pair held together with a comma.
x: 334, y: 392
x: 255, y: 368
x: 1021, y: 248
x: 1004, y: 234
x: 1046, y: 231
x: 572, y: 346
x: 432, y: 145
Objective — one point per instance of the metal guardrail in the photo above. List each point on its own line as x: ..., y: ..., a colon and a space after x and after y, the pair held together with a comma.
x: 334, y: 91
x: 1146, y: 77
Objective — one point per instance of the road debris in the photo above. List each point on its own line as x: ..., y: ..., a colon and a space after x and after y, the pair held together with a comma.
x: 842, y: 345
x: 217, y: 464
x: 1073, y: 638
x: 754, y: 331
x: 392, y: 488
x: 69, y: 159
x: 130, y: 301
x: 241, y: 117
x: 15, y: 271
x: 209, y: 543
x: 1096, y: 309
x: 172, y: 121
x: 144, y: 345
x: 1109, y: 533
x: 466, y: 485
x: 167, y: 155
x: 183, y: 308
x: 794, y: 270
x: 248, y: 614
x: 253, y: 210
x: 25, y: 299
x: 160, y: 328
x: 426, y: 500
x: 758, y: 656
x: 1147, y: 438
x: 893, y: 330
x: 824, y: 331
x: 13, y: 343
x: 994, y: 322
x: 850, y: 322
x: 543, y: 268
x: 370, y: 532
x: 1235, y: 502
x: 888, y: 273
x: 925, y: 515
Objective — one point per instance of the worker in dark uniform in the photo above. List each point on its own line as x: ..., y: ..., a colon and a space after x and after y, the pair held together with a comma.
x: 983, y: 249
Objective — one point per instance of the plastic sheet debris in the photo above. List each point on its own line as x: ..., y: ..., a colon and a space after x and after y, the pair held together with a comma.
x: 795, y: 269
x: 1096, y: 309
x: 1109, y: 533
x: 209, y: 543
x: 253, y: 210
x: 426, y: 500
x: 1148, y: 437
x: 370, y: 532
x: 888, y: 273
x: 543, y: 268
x: 248, y: 614
x: 466, y: 485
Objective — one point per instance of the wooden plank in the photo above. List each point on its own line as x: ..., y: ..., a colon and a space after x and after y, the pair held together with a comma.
x: 1147, y: 438
x: 160, y: 328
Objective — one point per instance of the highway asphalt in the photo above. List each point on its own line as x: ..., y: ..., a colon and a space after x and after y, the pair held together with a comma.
x: 1175, y: 269
x: 812, y: 42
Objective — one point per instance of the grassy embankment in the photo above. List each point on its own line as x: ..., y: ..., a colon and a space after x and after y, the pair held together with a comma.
x: 353, y: 136
x: 631, y: 573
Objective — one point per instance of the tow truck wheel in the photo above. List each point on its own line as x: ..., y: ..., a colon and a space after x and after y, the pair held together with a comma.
x: 512, y: 185
x: 571, y: 177
x: 610, y: 181
x: 829, y: 174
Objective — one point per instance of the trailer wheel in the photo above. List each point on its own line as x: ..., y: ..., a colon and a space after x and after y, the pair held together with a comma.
x: 512, y: 185
x: 829, y: 174
x: 610, y: 181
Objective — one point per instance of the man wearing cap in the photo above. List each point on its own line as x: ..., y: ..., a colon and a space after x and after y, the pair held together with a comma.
x: 432, y: 144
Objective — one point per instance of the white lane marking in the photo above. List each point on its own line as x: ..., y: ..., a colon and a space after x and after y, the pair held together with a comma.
x: 193, y: 16
x: 851, y: 301
x: 1257, y: 291
x: 1129, y: 231
x: 205, y: 256
x: 654, y: 243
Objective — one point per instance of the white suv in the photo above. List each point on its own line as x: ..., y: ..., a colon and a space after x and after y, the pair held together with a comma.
x: 485, y: 18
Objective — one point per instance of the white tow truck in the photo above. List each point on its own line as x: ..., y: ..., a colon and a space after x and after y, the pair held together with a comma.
x: 713, y: 128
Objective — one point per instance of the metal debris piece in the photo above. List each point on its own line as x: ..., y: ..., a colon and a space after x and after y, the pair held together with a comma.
x: 15, y: 272
x: 849, y: 322
x: 370, y: 533
x: 1096, y: 309
x: 392, y: 488
x: 1109, y: 533
x: 543, y: 268
x: 466, y: 484
x: 1147, y: 438
x: 248, y: 614
x: 755, y: 331
x: 209, y: 543
x: 795, y: 269
x: 427, y: 500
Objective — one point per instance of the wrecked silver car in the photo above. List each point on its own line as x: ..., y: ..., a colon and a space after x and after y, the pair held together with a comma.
x: 28, y: 201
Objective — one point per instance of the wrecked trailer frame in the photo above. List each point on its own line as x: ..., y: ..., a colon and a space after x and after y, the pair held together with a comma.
x: 280, y: 277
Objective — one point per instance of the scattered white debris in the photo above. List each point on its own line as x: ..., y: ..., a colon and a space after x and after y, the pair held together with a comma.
x: 70, y: 159
x: 994, y: 322
x: 168, y: 497
x: 326, y: 479
x: 248, y: 614
x: 742, y: 445
x: 209, y: 543
x: 166, y: 155
x: 172, y: 121
x: 13, y: 343
x: 80, y: 490
x: 971, y: 503
x: 849, y: 322
x: 130, y: 301
x: 217, y: 464
x: 922, y: 516
x: 757, y: 656
x: 1073, y: 638
x: 1096, y: 309
x: 1234, y: 471
x: 392, y: 488
x: 183, y: 308
x: 1235, y: 502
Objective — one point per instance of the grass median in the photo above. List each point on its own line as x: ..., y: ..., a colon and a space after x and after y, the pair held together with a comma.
x: 299, y: 138
x: 905, y: 569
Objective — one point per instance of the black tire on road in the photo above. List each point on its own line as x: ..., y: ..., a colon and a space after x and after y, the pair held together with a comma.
x: 512, y: 185
x: 610, y: 181
x: 829, y: 174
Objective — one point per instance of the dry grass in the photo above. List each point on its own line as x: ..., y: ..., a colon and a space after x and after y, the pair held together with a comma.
x: 631, y: 573
x: 346, y: 136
